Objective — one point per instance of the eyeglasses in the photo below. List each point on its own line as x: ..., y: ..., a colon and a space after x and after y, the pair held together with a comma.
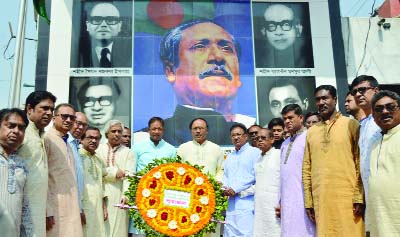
x: 254, y: 133
x: 391, y: 107
x: 66, y: 116
x: 103, y: 101
x: 285, y: 25
x: 110, y: 20
x: 261, y: 137
x: 360, y: 90
x: 79, y: 123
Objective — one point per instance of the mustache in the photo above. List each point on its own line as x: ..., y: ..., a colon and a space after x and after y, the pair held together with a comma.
x: 216, y: 70
x: 383, y: 117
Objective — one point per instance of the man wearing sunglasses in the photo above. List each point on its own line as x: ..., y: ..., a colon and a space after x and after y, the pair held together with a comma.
x: 363, y: 88
x: 383, y: 199
x: 63, y: 214
x: 104, y: 24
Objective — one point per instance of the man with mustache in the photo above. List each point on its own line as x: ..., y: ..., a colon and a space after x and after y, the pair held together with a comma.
x: 39, y: 106
x: 363, y: 88
x: 383, y: 199
x: 333, y: 192
x: 94, y: 169
x: 201, y: 61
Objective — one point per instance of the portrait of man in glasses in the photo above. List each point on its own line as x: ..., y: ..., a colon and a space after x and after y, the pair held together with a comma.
x: 282, y: 35
x: 107, y: 39
x: 101, y: 99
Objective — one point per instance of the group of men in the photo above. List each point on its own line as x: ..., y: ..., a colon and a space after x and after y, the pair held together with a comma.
x: 316, y: 182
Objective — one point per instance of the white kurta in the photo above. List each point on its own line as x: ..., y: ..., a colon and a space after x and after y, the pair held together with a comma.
x: 34, y: 154
x: 92, y: 200
x: 266, y: 196
x: 383, y: 210
x: 117, y: 223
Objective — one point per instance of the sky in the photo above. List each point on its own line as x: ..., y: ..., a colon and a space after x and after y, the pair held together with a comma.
x: 359, y: 8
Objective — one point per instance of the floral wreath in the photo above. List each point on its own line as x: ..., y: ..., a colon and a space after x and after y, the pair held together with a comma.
x: 174, y: 198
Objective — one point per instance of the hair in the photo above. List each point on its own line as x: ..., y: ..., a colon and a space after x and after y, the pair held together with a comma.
x: 111, y: 123
x: 276, y: 122
x: 88, y: 129
x: 5, y: 114
x: 330, y: 88
x: 385, y: 93
x: 154, y: 119
x: 348, y: 93
x: 94, y: 5
x: 169, y: 46
x: 36, y: 97
x: 254, y: 125
x: 292, y: 107
x: 63, y: 105
x: 312, y: 113
x: 98, y: 81
x: 372, y: 81
x: 238, y: 125
x: 125, y: 127
x: 199, y: 118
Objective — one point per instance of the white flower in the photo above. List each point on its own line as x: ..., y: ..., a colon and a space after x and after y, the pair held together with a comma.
x: 151, y: 213
x: 172, y: 225
x: 199, y: 180
x: 146, y: 193
x: 181, y: 171
x: 204, y: 200
x: 194, y: 218
x: 157, y: 175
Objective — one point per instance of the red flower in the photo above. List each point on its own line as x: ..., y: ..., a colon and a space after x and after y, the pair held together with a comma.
x: 198, y: 209
x: 151, y: 202
x: 184, y: 219
x: 200, y: 192
x: 187, y: 180
x: 164, y: 216
x: 170, y: 175
x: 153, y: 184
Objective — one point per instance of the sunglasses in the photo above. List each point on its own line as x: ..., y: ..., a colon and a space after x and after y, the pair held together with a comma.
x: 66, y: 116
x: 360, y: 90
x: 391, y: 107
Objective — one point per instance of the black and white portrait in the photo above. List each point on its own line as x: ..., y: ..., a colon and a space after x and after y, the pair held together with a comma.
x: 274, y: 93
x: 102, y: 99
x: 282, y: 35
x: 102, y: 37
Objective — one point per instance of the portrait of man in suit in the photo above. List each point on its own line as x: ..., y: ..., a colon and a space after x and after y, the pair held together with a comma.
x: 201, y: 62
x: 104, y: 40
x: 282, y: 35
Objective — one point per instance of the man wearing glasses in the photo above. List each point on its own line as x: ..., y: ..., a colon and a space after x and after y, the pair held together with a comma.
x: 97, y: 100
x: 288, y: 41
x: 239, y: 177
x: 107, y: 49
x: 363, y: 88
x: 383, y: 202
x: 63, y: 214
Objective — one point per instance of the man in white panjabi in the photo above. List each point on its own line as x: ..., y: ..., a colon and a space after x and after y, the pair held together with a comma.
x: 120, y: 162
x: 39, y: 106
x: 266, y: 197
